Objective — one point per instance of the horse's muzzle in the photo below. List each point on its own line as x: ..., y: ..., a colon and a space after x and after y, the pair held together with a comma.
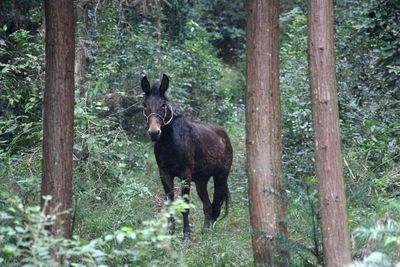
x: 154, y: 135
x: 154, y: 130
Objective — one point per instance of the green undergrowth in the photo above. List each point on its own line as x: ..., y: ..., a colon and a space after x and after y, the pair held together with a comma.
x: 116, y: 188
x: 137, y: 195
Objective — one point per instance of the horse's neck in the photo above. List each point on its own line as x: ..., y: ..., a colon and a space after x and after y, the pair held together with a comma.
x: 169, y: 131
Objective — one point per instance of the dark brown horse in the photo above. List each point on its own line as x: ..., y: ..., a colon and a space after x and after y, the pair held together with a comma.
x: 192, y: 151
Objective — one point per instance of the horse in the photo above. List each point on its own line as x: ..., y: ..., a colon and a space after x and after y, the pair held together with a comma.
x: 191, y: 151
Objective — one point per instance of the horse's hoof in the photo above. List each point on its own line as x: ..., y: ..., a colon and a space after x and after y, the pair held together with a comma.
x: 171, y: 226
x: 186, y: 236
x: 171, y: 230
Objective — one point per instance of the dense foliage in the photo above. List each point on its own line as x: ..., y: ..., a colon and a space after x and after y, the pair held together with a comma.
x: 117, y: 194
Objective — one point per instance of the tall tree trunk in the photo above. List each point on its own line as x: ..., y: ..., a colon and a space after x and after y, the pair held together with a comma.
x: 263, y: 133
x: 58, y: 110
x: 327, y: 137
x: 81, y: 55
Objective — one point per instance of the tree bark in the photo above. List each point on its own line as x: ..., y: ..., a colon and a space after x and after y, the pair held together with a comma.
x: 337, y: 251
x: 263, y: 133
x: 58, y: 110
x: 81, y: 54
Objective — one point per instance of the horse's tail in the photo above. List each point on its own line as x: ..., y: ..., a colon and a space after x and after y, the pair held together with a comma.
x: 221, y: 197
x: 226, y: 200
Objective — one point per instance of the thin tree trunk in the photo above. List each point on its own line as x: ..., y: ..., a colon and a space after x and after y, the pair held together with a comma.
x: 337, y: 251
x: 81, y: 54
x: 58, y: 111
x: 263, y: 133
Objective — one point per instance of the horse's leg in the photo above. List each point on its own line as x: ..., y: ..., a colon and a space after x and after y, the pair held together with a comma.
x: 221, y: 194
x: 185, y: 191
x: 168, y: 184
x: 201, y: 188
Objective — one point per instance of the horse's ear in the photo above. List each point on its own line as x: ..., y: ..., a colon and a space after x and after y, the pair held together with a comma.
x: 145, y: 85
x: 164, y: 84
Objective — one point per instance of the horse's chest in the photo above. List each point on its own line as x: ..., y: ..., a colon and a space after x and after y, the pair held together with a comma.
x: 173, y: 159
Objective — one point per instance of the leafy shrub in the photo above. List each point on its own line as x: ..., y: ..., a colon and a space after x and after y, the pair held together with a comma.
x: 379, y: 244
x: 21, y: 81
x: 26, y: 242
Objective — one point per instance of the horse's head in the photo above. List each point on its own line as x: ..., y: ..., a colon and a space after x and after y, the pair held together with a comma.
x: 156, y: 108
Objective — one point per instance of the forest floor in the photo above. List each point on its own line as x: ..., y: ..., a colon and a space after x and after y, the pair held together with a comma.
x: 228, y: 245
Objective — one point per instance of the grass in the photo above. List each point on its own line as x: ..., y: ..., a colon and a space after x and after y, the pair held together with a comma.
x: 137, y: 195
x: 118, y: 185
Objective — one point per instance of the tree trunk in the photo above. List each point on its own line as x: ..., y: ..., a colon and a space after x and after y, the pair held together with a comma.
x: 263, y: 133
x: 337, y: 251
x: 58, y: 110
x: 81, y: 55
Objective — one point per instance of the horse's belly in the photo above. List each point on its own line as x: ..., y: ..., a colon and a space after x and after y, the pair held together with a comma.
x: 204, y: 170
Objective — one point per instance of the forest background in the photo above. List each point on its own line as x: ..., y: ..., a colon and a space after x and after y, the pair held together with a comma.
x: 118, y: 217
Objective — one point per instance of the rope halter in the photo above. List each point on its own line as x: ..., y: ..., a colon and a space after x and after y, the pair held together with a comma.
x: 163, y: 122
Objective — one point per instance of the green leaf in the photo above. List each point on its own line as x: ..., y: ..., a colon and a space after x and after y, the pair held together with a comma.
x: 9, y: 250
